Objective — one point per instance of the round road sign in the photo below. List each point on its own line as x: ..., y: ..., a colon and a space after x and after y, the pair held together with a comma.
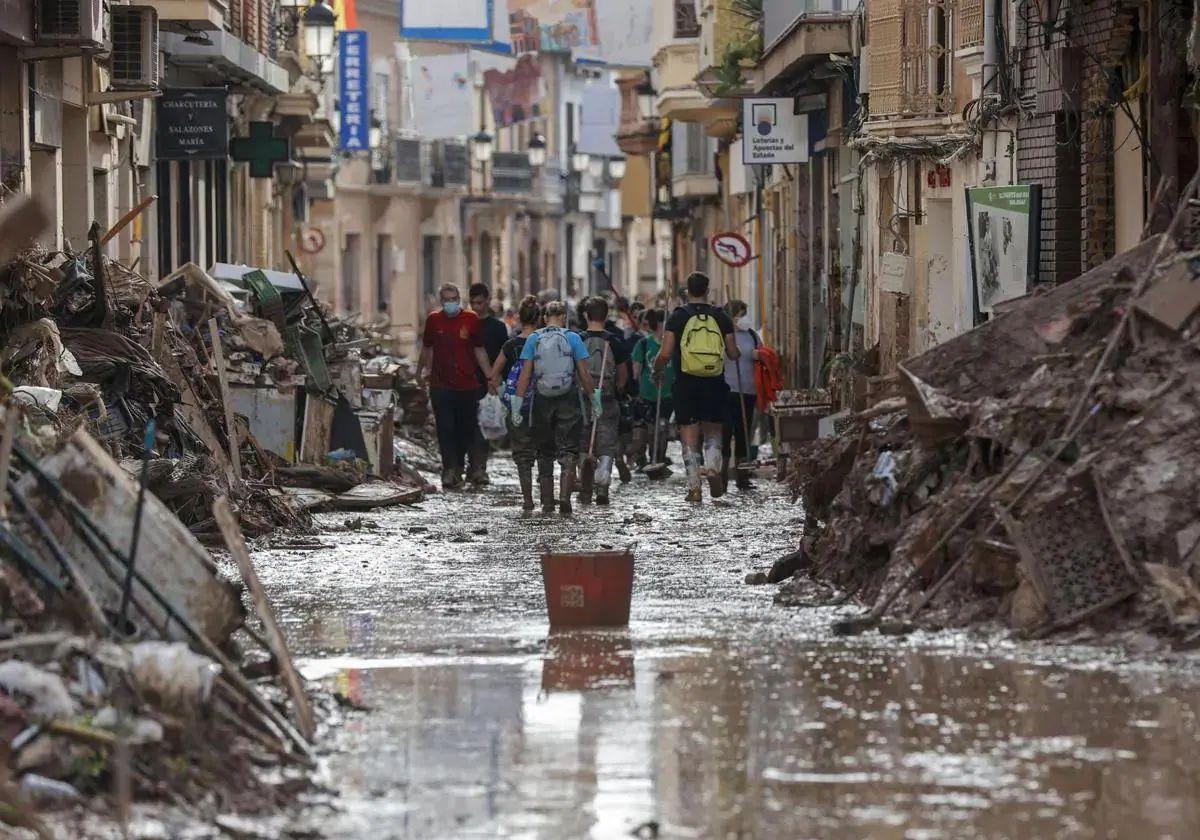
x: 731, y: 249
x: 312, y: 240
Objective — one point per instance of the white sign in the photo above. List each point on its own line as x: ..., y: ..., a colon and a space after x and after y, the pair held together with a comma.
x: 771, y: 133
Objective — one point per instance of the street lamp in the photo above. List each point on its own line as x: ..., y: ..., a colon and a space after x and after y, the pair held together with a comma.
x: 616, y: 168
x: 483, y: 146
x: 579, y: 161
x: 537, y: 151
x: 319, y: 23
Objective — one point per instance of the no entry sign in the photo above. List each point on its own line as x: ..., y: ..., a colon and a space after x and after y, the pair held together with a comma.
x: 731, y: 249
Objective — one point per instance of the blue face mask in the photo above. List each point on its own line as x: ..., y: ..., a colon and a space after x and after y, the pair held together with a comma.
x: 451, y: 307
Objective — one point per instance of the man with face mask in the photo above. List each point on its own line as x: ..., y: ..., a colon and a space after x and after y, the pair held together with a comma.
x: 453, y: 353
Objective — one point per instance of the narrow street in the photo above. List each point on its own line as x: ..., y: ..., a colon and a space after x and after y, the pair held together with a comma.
x: 717, y: 714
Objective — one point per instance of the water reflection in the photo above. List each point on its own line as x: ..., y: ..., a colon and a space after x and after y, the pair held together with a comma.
x: 577, y: 660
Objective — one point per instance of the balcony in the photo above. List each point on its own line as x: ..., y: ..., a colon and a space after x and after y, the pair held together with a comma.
x: 677, y: 64
x: 190, y: 15
x: 799, y: 34
x: 637, y: 132
x: 693, y: 169
x: 220, y: 57
x: 912, y: 65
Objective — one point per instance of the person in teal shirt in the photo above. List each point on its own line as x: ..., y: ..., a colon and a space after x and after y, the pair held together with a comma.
x: 644, y: 353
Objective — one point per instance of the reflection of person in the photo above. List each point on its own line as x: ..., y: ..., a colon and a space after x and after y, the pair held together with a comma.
x: 453, y: 352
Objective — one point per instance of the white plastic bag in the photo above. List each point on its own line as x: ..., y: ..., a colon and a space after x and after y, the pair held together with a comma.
x: 492, y: 422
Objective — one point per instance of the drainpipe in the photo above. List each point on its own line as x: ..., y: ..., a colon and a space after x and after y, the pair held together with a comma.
x: 989, y: 47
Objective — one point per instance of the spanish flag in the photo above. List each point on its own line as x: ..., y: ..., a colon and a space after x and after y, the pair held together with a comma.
x: 347, y: 13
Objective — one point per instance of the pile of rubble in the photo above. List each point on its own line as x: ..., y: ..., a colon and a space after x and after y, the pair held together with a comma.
x: 137, y: 423
x: 1035, y: 471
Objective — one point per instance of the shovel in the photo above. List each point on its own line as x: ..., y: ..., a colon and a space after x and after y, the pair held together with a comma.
x: 657, y: 471
x: 591, y: 456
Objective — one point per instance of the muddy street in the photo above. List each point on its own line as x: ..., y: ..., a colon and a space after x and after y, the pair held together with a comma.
x: 717, y: 714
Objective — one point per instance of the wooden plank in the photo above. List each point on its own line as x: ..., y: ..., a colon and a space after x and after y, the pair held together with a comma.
x: 12, y: 415
x: 235, y: 455
x: 226, y: 521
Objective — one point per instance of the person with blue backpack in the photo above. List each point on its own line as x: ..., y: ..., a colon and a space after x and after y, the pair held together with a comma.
x: 507, y: 369
x: 554, y: 366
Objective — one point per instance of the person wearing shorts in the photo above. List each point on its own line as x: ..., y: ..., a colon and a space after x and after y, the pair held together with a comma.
x: 699, y: 400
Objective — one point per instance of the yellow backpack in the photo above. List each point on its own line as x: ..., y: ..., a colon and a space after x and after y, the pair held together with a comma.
x: 702, y: 346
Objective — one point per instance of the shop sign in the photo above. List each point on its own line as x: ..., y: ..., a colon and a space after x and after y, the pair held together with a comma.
x: 191, y: 124
x: 772, y: 132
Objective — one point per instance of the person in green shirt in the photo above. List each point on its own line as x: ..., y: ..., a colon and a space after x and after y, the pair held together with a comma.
x: 644, y: 354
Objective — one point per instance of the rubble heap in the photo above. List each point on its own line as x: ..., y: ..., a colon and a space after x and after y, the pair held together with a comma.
x: 1035, y: 470
x: 136, y: 423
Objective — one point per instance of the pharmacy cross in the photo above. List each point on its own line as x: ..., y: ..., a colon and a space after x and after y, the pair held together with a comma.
x: 262, y: 149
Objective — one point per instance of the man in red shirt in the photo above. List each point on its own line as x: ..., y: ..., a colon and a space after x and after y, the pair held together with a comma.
x: 453, y: 352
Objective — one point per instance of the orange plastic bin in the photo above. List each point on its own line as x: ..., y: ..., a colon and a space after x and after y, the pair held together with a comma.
x: 588, y: 588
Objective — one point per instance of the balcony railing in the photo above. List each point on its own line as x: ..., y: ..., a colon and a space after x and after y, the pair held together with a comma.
x: 911, y: 57
x: 968, y: 24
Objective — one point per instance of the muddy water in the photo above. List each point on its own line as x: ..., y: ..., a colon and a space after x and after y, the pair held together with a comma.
x: 716, y: 714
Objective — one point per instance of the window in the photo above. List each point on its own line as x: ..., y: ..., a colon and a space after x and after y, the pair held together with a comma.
x: 350, y: 272
x: 911, y: 57
x: 383, y: 271
x: 687, y: 25
x: 430, y: 246
x: 692, y: 150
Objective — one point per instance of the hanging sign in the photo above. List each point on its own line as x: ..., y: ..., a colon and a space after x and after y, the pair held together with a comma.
x: 731, y: 249
x: 191, y: 124
x: 353, y: 100
x: 772, y: 132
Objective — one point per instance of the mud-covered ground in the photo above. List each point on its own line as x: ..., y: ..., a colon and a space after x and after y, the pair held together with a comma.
x: 717, y: 714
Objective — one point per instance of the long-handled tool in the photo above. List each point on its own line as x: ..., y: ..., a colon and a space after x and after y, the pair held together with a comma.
x: 591, y: 456
x: 657, y: 470
x: 747, y: 465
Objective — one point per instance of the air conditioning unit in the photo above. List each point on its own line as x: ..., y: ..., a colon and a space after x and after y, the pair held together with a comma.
x: 133, y: 64
x: 72, y: 23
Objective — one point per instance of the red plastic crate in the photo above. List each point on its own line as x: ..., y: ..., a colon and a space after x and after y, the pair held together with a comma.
x: 588, y: 588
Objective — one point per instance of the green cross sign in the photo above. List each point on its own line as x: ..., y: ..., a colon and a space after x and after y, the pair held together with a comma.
x: 262, y: 149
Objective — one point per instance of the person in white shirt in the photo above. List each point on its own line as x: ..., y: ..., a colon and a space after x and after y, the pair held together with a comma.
x: 739, y: 376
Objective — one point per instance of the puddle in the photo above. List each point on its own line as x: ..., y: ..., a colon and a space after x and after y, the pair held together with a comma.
x: 715, y: 714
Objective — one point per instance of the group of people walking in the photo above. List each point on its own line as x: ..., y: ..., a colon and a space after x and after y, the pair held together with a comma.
x: 594, y: 398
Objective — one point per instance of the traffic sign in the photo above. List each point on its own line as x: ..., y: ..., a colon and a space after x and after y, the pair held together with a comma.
x: 731, y: 249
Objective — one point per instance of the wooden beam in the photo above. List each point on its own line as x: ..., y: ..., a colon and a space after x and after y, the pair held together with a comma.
x: 232, y: 533
x: 235, y: 455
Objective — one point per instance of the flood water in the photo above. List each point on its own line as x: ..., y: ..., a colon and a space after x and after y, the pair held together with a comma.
x: 716, y: 714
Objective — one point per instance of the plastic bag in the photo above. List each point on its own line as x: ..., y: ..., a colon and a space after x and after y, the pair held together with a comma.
x: 492, y: 420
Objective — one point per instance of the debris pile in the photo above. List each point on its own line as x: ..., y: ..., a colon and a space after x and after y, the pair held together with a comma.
x: 1035, y: 470
x: 137, y: 423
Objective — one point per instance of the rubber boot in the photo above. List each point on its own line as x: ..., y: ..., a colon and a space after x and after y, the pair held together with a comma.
x: 639, y: 447
x: 546, y: 485
x: 623, y: 471
x: 603, y: 479
x: 566, y: 487
x: 525, y: 475
x: 691, y: 465
x: 586, y: 479
x: 714, y: 466
x: 742, y: 477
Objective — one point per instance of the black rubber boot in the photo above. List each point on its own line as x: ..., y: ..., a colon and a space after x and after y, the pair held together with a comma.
x: 565, y: 487
x: 546, y: 485
x: 525, y: 475
x: 587, y: 479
